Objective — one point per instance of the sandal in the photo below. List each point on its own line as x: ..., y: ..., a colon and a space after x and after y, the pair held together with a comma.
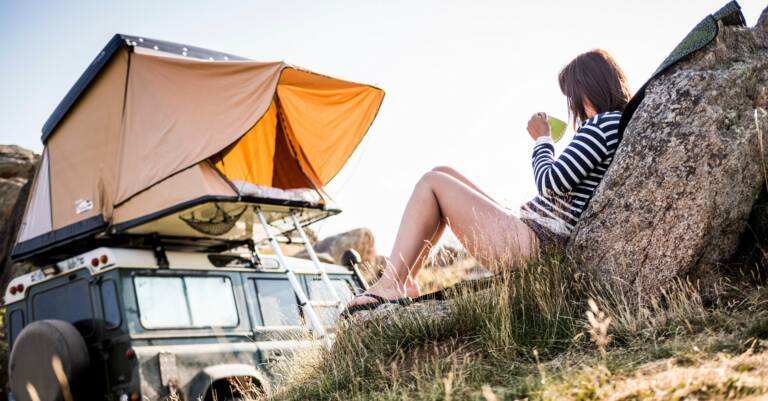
x: 404, y: 301
x: 439, y: 295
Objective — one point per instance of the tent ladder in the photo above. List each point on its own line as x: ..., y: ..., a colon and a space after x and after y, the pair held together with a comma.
x: 298, y: 289
x: 335, y: 299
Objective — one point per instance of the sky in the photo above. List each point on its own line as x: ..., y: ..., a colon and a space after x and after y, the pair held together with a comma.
x: 461, y: 77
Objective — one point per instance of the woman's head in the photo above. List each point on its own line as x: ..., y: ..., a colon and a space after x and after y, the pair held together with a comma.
x: 593, y: 78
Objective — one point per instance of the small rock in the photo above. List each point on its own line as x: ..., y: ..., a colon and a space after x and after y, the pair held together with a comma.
x: 430, y: 309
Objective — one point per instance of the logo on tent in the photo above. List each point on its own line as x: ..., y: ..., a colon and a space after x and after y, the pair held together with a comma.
x: 83, y: 205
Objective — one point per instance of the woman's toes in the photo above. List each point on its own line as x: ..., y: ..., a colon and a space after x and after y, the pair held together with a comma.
x: 362, y: 299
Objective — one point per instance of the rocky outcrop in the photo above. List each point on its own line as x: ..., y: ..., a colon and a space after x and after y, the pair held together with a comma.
x: 359, y: 239
x: 17, y: 167
x: 686, y: 177
x: 16, y: 161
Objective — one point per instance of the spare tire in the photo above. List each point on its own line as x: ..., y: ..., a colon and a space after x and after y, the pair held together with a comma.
x: 31, y: 360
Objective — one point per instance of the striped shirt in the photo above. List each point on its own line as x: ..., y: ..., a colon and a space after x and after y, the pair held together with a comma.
x: 566, y: 184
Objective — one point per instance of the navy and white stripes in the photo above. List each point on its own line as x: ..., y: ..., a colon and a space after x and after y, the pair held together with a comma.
x: 566, y: 184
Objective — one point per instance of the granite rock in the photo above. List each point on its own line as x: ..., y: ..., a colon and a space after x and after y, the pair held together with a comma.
x: 676, y: 201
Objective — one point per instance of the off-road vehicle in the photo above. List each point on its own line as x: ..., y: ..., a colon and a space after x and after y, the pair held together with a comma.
x: 128, y: 328
x: 166, y: 171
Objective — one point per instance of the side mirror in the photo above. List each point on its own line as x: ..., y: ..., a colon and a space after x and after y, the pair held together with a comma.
x: 351, y: 258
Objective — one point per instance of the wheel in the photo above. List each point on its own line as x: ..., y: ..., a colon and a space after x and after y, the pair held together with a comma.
x: 229, y: 389
x: 32, y: 361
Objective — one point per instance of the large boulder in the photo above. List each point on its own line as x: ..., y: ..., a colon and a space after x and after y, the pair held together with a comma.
x: 16, y: 161
x: 332, y: 248
x: 17, y: 167
x: 9, y: 193
x: 359, y: 239
x: 677, y: 198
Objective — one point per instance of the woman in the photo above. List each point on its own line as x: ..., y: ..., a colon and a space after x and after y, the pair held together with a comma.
x: 597, y: 93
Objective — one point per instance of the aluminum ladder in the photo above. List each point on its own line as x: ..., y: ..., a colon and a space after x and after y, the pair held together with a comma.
x: 307, y: 305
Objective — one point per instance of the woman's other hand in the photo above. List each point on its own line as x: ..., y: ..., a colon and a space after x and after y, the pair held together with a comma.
x: 538, y: 126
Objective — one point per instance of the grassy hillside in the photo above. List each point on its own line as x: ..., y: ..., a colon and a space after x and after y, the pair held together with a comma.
x: 547, y: 331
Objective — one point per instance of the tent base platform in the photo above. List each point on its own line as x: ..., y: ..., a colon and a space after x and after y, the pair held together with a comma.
x: 216, y: 224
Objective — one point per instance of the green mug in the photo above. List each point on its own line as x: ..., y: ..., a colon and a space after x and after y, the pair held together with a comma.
x: 556, y: 128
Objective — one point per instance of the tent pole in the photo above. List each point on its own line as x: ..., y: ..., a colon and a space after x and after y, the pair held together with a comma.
x: 319, y: 266
x: 309, y: 310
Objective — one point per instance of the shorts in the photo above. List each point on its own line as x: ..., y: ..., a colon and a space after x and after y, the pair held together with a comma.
x: 548, y: 238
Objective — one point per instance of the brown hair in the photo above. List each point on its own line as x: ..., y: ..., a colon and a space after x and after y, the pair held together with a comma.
x: 594, y: 76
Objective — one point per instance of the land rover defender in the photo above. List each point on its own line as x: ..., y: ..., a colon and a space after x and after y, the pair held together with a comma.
x: 203, y: 326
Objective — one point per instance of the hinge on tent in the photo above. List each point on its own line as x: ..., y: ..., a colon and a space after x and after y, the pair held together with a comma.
x: 159, y: 250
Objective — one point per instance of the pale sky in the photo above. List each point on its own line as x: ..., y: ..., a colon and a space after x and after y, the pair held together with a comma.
x: 461, y: 78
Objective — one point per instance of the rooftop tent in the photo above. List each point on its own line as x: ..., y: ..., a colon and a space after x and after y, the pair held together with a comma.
x: 156, y: 137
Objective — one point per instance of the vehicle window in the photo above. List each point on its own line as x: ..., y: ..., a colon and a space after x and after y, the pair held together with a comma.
x: 110, y: 305
x: 185, y: 302
x: 17, y: 323
x: 319, y: 292
x: 70, y: 302
x: 277, y: 303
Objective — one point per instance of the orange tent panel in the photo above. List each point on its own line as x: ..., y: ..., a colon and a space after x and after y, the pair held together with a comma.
x: 251, y: 159
x: 328, y: 118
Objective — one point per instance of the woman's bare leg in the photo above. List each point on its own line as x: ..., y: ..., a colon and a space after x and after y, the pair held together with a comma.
x: 485, y: 229
x: 455, y: 174
x: 411, y: 285
x: 412, y: 288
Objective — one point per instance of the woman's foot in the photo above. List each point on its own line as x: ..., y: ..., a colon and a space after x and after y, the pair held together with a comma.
x: 412, y: 288
x: 383, y: 289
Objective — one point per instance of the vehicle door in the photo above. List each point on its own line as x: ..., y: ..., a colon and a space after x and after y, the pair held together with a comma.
x: 345, y: 287
x: 278, y: 321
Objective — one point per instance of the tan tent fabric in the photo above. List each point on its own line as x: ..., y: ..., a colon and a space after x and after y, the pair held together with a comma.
x: 84, y: 150
x: 190, y: 184
x: 39, y: 200
x: 181, y: 112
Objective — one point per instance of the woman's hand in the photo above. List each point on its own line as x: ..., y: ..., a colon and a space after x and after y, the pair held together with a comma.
x: 538, y: 125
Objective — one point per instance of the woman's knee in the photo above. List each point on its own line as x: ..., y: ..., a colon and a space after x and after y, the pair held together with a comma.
x: 445, y: 170
x: 429, y: 179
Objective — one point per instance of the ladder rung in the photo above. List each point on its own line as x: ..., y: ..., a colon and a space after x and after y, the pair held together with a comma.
x: 323, y: 303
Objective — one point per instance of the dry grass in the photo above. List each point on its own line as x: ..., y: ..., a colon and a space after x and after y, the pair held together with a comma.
x: 434, y: 278
x: 546, y: 331
x: 542, y: 331
x: 723, y: 377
